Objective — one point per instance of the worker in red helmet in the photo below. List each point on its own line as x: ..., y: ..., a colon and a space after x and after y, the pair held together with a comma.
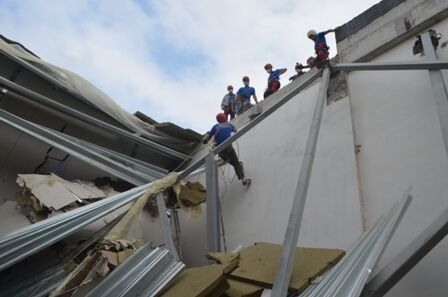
x: 273, y: 79
x: 242, y: 101
x: 228, y: 102
x: 221, y: 132
x: 299, y: 71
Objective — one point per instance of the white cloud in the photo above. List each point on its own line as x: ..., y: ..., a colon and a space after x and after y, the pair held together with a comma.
x: 110, y: 43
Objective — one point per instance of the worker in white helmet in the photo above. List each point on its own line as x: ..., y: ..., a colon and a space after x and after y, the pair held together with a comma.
x: 320, y: 46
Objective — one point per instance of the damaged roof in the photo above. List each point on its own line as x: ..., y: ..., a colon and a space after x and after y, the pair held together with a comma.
x: 166, y: 134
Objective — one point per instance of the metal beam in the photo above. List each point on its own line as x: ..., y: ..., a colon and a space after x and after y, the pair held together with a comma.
x: 280, y: 288
x: 213, y: 205
x: 165, y: 225
x: 438, y: 88
x: 30, y: 239
x: 74, y: 149
x: 406, y: 65
x: 36, y: 97
x: 135, y: 164
x: 350, y: 274
x: 389, y: 276
x: 253, y: 123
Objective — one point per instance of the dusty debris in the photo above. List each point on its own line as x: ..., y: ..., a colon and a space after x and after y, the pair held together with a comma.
x: 242, y: 289
x: 230, y: 260
x: 191, y: 194
x: 43, y: 196
x: 259, y: 263
x: 199, y: 282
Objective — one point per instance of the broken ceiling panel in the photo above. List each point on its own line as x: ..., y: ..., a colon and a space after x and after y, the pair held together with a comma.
x: 57, y: 193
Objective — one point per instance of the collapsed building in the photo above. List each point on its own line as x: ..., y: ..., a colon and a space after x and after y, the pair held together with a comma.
x: 100, y: 202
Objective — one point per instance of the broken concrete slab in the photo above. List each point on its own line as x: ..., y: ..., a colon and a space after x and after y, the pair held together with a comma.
x: 259, y: 263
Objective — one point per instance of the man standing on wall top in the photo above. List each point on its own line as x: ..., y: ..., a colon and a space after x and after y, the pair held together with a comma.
x: 273, y: 79
x: 221, y: 132
x: 320, y: 46
x: 227, y: 103
x: 242, y: 101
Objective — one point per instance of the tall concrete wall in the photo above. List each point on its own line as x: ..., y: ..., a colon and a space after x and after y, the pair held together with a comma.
x: 272, y: 153
x: 392, y: 116
x: 396, y: 123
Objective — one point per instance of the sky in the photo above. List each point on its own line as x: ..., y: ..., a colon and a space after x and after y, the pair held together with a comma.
x: 173, y: 59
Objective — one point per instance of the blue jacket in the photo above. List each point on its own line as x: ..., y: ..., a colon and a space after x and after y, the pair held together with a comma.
x: 221, y: 132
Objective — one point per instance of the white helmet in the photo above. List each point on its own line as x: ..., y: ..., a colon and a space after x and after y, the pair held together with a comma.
x: 311, y: 32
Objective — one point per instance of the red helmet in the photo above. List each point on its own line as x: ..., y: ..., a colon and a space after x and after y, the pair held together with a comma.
x: 246, y: 78
x: 268, y: 66
x: 229, y: 87
x: 221, y: 118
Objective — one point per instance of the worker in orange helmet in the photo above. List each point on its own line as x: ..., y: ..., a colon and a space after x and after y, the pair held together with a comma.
x: 221, y: 132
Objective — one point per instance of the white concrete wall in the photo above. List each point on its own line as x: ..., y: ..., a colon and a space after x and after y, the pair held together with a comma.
x: 396, y: 123
x: 272, y: 153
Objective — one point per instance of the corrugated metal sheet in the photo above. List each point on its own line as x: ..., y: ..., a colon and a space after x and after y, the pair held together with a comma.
x: 146, y: 273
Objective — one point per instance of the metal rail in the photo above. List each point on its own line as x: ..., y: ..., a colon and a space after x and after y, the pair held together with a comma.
x: 280, y: 288
x: 253, y: 123
x: 146, y: 273
x: 36, y: 97
x: 406, y: 65
x: 78, y: 151
x: 348, y: 277
x: 213, y: 205
x: 390, y: 275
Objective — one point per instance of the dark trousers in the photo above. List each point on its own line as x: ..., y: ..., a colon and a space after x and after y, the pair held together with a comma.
x: 229, y: 155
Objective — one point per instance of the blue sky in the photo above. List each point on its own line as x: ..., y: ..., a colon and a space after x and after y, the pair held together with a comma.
x: 173, y: 59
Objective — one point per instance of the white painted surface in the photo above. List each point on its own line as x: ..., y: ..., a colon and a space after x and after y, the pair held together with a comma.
x: 396, y: 123
x: 272, y: 153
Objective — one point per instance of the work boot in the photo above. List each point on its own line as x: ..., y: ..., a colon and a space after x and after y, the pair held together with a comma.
x: 247, y: 181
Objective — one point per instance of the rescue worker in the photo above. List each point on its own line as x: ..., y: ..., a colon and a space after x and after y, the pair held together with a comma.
x: 299, y: 71
x: 227, y: 103
x: 320, y: 46
x: 273, y: 79
x: 242, y: 101
x: 220, y: 132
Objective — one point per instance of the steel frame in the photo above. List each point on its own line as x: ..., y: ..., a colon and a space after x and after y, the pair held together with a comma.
x: 408, y: 65
x: 283, y: 276
x: 213, y: 205
x: 390, y: 275
x: 38, y: 98
x: 165, y: 225
x: 79, y: 151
